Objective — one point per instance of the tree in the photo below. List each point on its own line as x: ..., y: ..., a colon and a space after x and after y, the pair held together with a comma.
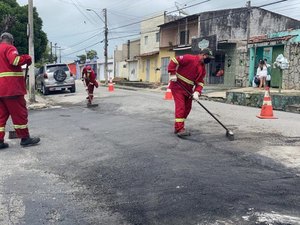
x: 14, y: 19
x: 91, y: 54
x: 82, y: 58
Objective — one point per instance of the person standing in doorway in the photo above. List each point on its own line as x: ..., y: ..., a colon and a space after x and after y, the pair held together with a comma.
x: 12, y: 91
x: 188, y: 71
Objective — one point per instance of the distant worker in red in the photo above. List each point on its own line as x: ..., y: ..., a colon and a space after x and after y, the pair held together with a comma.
x: 89, y: 77
x: 189, y: 71
x: 12, y: 91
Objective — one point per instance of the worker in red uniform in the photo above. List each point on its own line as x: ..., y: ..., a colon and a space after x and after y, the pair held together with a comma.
x: 189, y: 71
x: 89, y: 77
x: 12, y: 91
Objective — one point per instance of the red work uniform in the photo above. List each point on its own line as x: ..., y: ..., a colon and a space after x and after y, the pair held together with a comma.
x: 12, y: 90
x: 89, y: 77
x: 190, y: 73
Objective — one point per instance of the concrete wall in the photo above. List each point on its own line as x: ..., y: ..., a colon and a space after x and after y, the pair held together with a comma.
x: 266, y: 22
x: 126, y: 52
x: 291, y: 77
x: 225, y: 24
x: 150, y: 28
x: 154, y: 74
x: 134, y: 49
x: 100, y: 69
x: 164, y: 53
x: 170, y: 35
x: 121, y: 70
x: 232, y: 24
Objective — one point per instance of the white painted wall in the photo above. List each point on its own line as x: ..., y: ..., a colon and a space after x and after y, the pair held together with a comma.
x: 100, y: 69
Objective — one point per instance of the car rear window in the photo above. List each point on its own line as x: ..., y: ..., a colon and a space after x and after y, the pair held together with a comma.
x: 56, y: 67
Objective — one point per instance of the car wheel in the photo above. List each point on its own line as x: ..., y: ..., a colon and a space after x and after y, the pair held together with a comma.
x: 73, y: 89
x: 45, y: 90
x: 60, y: 75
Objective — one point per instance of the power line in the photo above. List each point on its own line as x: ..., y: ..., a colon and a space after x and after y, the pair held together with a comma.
x: 82, y: 13
x: 84, y: 48
x: 81, y: 42
x: 223, y: 15
x: 114, y: 28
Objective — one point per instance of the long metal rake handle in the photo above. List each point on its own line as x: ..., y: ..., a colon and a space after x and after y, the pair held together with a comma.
x: 184, y: 88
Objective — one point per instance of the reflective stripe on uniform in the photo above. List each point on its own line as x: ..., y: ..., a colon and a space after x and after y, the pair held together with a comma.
x: 201, y: 84
x: 16, y: 61
x: 2, y: 129
x: 11, y: 74
x: 179, y: 120
x: 20, y: 126
x: 175, y: 60
x: 185, y: 79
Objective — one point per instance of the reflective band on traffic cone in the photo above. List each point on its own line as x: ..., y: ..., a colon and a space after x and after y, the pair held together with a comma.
x: 168, y: 94
x: 266, y: 108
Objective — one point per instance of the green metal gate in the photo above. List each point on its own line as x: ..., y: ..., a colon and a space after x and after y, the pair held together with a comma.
x: 276, y: 74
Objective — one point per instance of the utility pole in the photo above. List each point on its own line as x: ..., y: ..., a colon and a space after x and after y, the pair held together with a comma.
x: 105, y: 46
x: 55, y: 47
x: 51, y: 55
x: 31, y: 52
x: 59, y: 49
x: 248, y: 22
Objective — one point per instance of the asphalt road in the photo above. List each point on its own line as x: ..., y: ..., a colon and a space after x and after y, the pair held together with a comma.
x: 120, y: 163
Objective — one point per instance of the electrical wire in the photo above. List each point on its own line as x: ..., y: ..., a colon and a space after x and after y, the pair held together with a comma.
x: 137, y: 34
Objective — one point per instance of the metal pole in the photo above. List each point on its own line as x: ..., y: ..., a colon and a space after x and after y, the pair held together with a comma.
x: 51, y: 54
x: 105, y: 46
x: 248, y: 23
x: 31, y: 52
x: 55, y: 47
x: 59, y: 49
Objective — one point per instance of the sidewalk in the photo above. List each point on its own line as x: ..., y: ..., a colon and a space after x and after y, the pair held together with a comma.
x: 40, y: 102
x: 287, y: 100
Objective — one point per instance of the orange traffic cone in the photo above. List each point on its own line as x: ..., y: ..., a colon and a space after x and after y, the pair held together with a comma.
x: 110, y: 85
x: 168, y: 94
x: 266, y: 108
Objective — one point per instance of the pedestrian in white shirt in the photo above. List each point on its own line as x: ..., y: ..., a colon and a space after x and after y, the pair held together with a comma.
x: 262, y: 72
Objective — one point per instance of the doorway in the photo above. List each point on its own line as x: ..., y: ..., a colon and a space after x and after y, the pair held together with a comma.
x: 147, y: 70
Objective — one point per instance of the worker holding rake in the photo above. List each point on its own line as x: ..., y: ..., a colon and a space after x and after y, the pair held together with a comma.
x: 187, y: 74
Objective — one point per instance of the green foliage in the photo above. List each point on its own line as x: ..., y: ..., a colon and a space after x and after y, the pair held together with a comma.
x: 14, y: 19
x: 91, y: 54
x: 82, y: 58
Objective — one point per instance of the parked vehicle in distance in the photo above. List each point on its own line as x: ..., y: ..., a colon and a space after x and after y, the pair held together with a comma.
x: 54, y: 77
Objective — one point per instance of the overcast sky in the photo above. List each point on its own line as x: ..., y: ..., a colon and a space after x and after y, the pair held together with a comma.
x: 76, y: 30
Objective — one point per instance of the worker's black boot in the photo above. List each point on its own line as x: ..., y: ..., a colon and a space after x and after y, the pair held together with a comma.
x: 3, y: 145
x: 26, y: 142
x: 183, y: 133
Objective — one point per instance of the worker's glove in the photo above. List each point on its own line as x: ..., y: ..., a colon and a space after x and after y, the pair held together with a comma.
x: 96, y: 84
x: 82, y: 79
x: 173, y: 78
x: 196, y: 95
x: 28, y: 59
